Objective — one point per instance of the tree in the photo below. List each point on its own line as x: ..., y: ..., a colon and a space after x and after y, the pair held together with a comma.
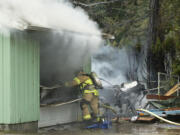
x: 127, y: 20
x: 155, y: 23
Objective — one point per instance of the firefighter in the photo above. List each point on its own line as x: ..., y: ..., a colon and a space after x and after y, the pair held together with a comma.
x: 90, y: 95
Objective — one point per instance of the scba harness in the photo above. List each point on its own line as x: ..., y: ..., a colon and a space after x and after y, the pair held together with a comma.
x: 87, y: 86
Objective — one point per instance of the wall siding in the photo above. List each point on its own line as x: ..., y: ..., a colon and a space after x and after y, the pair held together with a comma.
x: 87, y: 65
x: 23, y: 80
x: 4, y: 78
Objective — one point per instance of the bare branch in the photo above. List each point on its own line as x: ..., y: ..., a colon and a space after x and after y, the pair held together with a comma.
x: 94, y: 4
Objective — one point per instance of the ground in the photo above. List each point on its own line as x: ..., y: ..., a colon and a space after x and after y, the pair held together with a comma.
x: 124, y: 128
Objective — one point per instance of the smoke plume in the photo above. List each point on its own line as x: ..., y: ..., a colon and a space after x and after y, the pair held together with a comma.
x: 74, y: 35
x: 55, y: 14
x: 117, y: 66
x: 120, y: 65
x: 69, y: 41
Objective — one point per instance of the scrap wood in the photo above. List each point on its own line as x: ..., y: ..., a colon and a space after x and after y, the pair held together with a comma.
x: 172, y: 109
x: 148, y: 119
x: 159, y: 97
x: 173, y: 90
x: 155, y: 115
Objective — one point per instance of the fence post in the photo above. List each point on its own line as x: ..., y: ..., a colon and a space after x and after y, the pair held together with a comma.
x: 178, y: 87
x: 158, y: 83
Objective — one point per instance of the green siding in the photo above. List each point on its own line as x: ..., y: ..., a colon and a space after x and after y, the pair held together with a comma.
x: 23, y: 68
x: 87, y: 65
x: 4, y: 78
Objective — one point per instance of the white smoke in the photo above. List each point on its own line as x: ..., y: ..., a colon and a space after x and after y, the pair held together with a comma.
x: 59, y: 15
x: 55, y: 14
x: 110, y: 64
x: 124, y: 68
x: 74, y: 36
x: 119, y: 65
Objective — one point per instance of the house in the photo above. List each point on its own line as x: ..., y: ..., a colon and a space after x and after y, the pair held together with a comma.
x: 22, y: 65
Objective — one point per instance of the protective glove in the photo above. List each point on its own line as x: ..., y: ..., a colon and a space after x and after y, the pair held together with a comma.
x: 66, y: 84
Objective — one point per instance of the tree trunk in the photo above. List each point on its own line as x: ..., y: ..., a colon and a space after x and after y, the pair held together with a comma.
x: 154, y: 21
x: 153, y: 34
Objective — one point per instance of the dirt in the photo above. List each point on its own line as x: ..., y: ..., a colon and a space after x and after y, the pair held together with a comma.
x: 124, y: 128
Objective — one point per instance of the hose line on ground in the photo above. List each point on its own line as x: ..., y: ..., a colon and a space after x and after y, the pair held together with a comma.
x: 155, y: 115
x: 76, y: 100
x: 60, y: 104
x: 109, y: 107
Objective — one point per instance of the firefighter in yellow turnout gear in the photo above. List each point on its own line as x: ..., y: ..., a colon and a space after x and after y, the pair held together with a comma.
x: 90, y: 95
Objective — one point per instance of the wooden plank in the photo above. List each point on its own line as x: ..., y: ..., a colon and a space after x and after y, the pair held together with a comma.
x: 148, y: 119
x: 173, y: 90
x: 172, y: 109
x: 159, y: 97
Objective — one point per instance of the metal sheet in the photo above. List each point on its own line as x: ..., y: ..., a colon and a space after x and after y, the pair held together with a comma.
x: 4, y: 78
x: 87, y: 65
x: 24, y: 78
x: 68, y: 113
x: 19, y: 86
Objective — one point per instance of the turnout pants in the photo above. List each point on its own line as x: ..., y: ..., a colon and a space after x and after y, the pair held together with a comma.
x: 89, y: 100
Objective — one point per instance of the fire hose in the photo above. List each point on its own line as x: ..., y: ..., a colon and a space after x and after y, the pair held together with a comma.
x: 109, y: 107
x: 60, y: 104
x: 76, y: 100
x: 155, y: 115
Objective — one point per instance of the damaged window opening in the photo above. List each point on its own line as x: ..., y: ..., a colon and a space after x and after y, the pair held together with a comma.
x: 60, y: 58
